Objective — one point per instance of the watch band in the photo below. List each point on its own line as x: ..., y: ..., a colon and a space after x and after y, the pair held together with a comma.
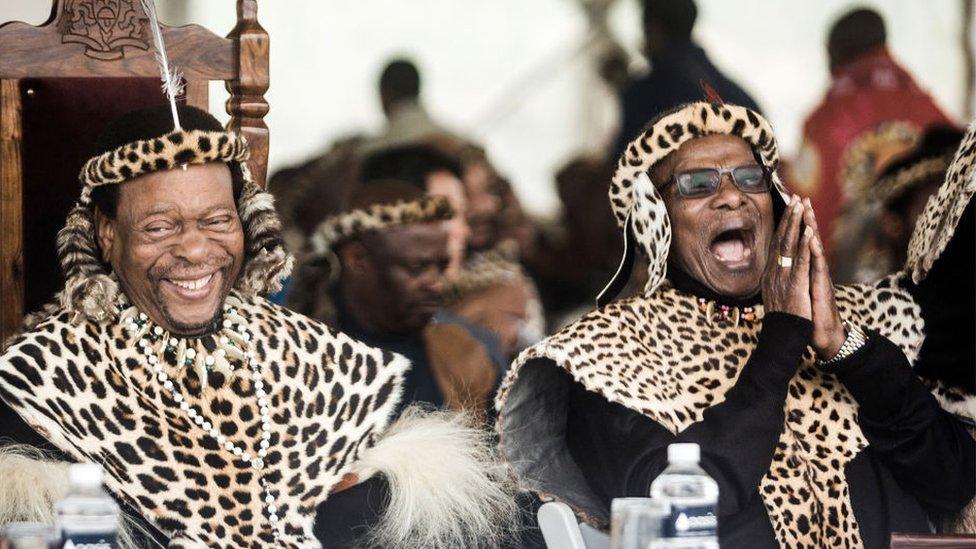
x: 855, y: 340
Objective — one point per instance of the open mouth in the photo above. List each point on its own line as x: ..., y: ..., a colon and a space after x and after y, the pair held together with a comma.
x: 733, y: 246
x: 193, y: 288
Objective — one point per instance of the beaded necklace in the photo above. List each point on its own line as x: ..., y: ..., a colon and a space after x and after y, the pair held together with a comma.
x: 230, y: 343
x: 716, y: 311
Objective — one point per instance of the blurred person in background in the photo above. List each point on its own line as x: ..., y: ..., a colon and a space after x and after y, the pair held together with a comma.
x: 484, y: 198
x: 678, y: 68
x: 872, y: 112
x: 493, y: 290
x: 407, y: 119
x: 894, y: 202
x: 376, y: 272
x: 307, y: 193
x: 574, y: 260
x: 436, y: 174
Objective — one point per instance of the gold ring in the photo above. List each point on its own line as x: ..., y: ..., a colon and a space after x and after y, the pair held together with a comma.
x: 785, y: 262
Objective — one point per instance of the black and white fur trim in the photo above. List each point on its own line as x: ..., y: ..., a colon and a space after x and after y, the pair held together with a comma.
x: 634, y: 195
x: 91, y: 290
x: 377, y: 217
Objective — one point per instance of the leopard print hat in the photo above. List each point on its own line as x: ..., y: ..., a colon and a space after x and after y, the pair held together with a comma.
x: 634, y: 198
x: 376, y: 217
x: 143, y: 142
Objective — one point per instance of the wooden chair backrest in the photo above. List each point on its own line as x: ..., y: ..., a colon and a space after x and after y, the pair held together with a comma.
x: 106, y: 45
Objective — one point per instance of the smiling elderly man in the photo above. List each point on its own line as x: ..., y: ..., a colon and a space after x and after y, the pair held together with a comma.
x: 800, y: 394
x: 220, y: 418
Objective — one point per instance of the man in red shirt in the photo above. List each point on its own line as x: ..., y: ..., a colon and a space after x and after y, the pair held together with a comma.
x: 872, y: 111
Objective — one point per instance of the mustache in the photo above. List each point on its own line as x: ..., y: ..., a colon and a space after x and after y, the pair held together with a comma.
x: 182, y: 267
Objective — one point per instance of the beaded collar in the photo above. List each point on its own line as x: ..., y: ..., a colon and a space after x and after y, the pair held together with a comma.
x: 222, y: 351
x: 715, y: 311
x: 716, y: 307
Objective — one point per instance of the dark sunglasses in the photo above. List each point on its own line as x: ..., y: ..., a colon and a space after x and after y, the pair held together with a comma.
x: 751, y: 178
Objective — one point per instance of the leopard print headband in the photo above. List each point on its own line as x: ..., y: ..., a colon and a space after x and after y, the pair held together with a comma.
x: 377, y: 217
x: 634, y: 198
x: 91, y: 290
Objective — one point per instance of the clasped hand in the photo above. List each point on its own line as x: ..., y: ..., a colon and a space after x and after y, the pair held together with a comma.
x: 797, y: 281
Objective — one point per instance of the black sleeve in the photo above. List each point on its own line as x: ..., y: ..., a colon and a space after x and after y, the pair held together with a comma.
x: 345, y: 517
x: 929, y: 453
x: 621, y: 451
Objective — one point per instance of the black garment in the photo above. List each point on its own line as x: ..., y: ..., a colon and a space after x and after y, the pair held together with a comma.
x: 675, y: 79
x: 947, y: 297
x: 918, y: 459
x: 342, y: 520
x: 419, y: 384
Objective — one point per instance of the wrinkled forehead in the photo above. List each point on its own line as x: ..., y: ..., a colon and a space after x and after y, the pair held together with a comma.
x: 710, y: 151
x: 197, y: 187
x: 414, y: 240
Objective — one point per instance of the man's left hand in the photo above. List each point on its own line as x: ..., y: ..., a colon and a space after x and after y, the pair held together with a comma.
x: 828, y: 328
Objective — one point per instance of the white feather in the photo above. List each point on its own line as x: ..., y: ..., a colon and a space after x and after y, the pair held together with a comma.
x: 447, y: 487
x: 172, y: 79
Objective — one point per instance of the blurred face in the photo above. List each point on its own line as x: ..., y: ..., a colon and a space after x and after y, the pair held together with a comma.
x: 176, y: 245
x: 399, y: 275
x: 446, y: 184
x: 484, y: 205
x: 721, y: 240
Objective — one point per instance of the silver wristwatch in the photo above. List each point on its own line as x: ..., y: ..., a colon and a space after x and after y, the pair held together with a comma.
x: 855, y: 340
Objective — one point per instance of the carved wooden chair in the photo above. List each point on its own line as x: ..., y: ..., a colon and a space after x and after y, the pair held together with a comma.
x: 62, y: 81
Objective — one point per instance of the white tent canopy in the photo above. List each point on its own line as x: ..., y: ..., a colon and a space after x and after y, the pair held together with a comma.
x: 508, y: 72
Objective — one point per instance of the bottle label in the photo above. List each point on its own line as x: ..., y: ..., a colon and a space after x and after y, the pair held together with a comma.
x: 95, y: 540
x: 691, y: 521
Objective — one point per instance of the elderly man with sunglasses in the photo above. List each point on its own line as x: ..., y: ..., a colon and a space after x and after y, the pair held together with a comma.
x: 800, y: 394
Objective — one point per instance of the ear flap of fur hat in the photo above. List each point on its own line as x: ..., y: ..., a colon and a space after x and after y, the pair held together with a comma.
x: 633, y: 195
x: 88, y: 288
x: 267, y: 263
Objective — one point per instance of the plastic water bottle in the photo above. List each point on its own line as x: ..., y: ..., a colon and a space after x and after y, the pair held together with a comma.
x: 88, y: 517
x: 692, y: 497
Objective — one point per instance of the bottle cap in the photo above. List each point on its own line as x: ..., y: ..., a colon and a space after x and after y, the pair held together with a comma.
x: 85, y: 474
x: 684, y: 452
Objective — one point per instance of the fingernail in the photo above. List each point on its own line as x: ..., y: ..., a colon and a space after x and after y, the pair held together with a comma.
x: 807, y: 232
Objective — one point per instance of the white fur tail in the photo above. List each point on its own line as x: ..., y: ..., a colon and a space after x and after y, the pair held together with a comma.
x: 447, y: 487
x: 30, y: 484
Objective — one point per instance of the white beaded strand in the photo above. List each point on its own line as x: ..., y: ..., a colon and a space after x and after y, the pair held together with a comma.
x: 261, y: 395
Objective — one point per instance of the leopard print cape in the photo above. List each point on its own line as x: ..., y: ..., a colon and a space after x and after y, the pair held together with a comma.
x: 661, y: 356
x: 86, y: 387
